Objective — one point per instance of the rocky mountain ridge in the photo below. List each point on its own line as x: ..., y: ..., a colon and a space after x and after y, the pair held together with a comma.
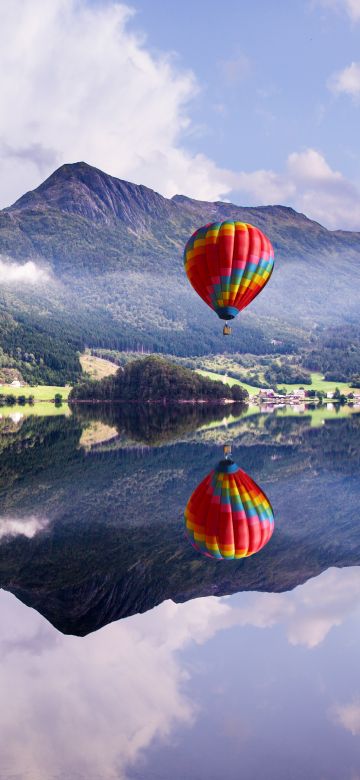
x: 81, y: 191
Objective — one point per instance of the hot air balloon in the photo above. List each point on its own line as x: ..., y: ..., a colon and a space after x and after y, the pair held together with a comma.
x: 228, y: 515
x: 228, y: 264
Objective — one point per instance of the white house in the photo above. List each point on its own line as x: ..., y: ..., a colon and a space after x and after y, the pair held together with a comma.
x: 265, y: 392
x: 300, y: 393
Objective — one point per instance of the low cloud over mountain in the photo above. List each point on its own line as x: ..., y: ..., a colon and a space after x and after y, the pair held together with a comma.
x: 21, y: 273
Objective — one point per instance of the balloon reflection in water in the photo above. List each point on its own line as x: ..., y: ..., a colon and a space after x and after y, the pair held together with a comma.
x: 228, y: 515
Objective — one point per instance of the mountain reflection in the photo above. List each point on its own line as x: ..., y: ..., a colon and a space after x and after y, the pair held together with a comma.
x: 113, y: 541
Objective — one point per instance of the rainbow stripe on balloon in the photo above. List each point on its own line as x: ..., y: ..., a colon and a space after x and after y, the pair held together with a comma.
x: 228, y: 515
x: 228, y: 264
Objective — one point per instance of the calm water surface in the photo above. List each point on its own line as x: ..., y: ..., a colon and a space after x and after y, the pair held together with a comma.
x: 125, y: 653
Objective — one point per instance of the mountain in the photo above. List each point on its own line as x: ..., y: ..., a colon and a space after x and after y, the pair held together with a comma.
x: 52, y: 222
x: 113, y: 251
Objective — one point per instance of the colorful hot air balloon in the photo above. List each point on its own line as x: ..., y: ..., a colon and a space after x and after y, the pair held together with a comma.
x: 228, y: 264
x: 228, y: 515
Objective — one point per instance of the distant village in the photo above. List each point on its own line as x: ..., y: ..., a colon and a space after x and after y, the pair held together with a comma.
x: 298, y: 398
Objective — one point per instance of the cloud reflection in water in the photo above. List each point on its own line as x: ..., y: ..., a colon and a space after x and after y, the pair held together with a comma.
x: 22, y: 526
x: 90, y: 707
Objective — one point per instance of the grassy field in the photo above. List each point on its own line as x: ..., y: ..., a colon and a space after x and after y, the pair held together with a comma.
x: 317, y: 383
x: 40, y: 392
x: 228, y: 380
x: 95, y: 367
x: 44, y: 395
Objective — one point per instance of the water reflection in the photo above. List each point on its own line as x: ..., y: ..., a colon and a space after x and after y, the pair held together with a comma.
x: 219, y: 667
x: 228, y: 516
x: 22, y: 526
x: 92, y: 534
x: 149, y: 696
x: 158, y: 423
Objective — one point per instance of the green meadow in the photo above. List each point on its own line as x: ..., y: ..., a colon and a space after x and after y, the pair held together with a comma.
x: 317, y: 383
x: 40, y: 392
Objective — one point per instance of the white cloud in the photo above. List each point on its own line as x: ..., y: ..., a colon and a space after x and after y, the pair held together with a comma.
x: 348, y: 716
x: 103, y: 698
x: 350, y: 7
x: 22, y: 526
x: 346, y: 81
x: 78, y: 85
x: 311, y: 167
x: 353, y: 9
x: 263, y: 187
x: 21, y: 273
x: 310, y: 185
x: 323, y: 604
x: 308, y: 613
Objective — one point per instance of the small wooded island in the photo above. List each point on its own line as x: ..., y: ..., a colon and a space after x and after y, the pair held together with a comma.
x: 156, y: 379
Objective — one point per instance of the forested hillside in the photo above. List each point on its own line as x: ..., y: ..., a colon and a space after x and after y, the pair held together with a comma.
x: 111, y: 253
x: 155, y: 379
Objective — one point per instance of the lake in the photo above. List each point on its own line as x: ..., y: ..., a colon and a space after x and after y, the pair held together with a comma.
x: 125, y: 653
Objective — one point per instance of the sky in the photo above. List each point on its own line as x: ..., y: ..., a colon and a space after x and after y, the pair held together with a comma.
x: 257, y: 103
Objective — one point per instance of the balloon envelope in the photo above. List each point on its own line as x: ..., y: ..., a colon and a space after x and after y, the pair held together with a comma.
x: 228, y: 515
x: 228, y: 264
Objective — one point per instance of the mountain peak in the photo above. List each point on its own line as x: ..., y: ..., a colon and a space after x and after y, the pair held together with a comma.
x: 82, y: 189
x: 82, y: 215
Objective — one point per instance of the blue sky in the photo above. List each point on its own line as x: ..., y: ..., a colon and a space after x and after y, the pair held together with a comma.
x: 263, y: 69
x: 253, y: 102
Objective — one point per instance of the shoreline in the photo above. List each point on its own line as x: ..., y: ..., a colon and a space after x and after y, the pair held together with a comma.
x: 162, y: 401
